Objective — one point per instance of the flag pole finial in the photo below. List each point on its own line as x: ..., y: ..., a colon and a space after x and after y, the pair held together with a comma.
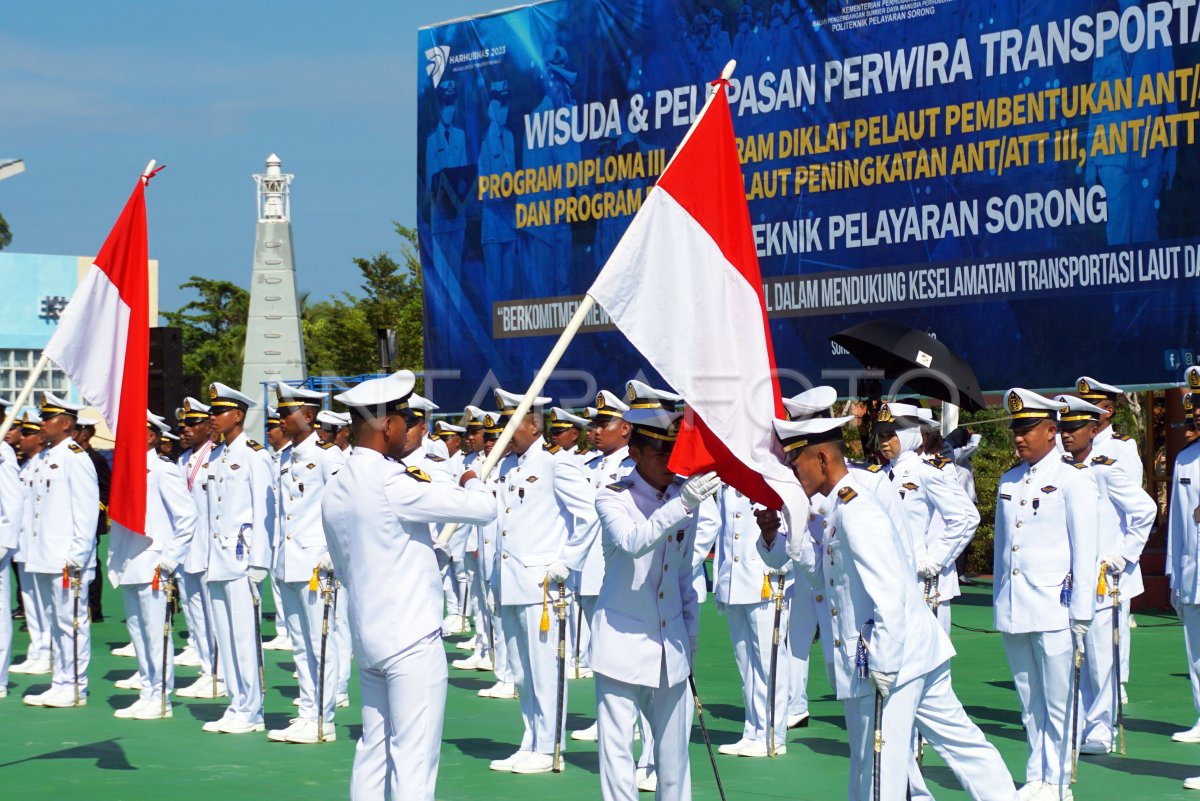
x: 150, y: 167
x: 729, y: 68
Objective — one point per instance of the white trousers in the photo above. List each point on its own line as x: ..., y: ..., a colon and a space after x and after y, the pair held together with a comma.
x: 403, y: 708
x: 802, y: 626
x: 582, y: 612
x: 6, y: 626
x: 455, y: 580
x: 339, y: 632
x: 233, y: 626
x: 477, y: 603
x: 305, y: 617
x: 36, y: 615
x: 619, y: 706
x: 62, y: 614
x: 928, y: 702
x: 1126, y: 639
x: 1189, y: 614
x: 750, y: 629
x: 1097, y: 708
x: 1042, y: 664
x: 536, y: 669
x: 145, y: 617
x: 197, y: 610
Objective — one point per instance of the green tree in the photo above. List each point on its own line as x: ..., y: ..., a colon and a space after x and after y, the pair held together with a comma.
x: 213, y: 329
x: 5, y: 233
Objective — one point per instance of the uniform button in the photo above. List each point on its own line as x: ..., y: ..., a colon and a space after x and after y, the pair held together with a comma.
x: 664, y: 624
x: 737, y: 515
x: 289, y: 536
x: 1018, y: 524
x: 660, y: 596
x: 1016, y: 547
x: 1016, y: 572
x: 289, y: 517
x: 503, y: 533
x: 737, y: 536
x: 818, y: 598
x: 837, y: 643
x: 736, y: 559
x: 508, y: 511
x: 1022, y: 503
x: 833, y: 612
x: 666, y: 568
x: 503, y: 556
x: 485, y: 542
x: 831, y: 582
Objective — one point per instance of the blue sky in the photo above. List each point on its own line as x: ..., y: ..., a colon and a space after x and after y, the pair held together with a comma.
x: 89, y: 92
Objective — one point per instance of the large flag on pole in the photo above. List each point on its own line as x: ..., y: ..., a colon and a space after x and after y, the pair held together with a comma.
x: 103, y: 345
x: 683, y: 285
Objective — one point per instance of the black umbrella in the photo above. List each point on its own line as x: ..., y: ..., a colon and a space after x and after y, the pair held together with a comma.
x: 915, y: 358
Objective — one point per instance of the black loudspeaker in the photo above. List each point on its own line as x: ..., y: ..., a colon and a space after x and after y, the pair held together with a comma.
x: 166, y: 372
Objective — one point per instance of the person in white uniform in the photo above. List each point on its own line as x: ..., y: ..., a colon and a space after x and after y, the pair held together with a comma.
x: 303, y: 566
x: 465, y: 546
x: 377, y: 514
x: 1183, y: 556
x: 1043, y: 595
x: 11, y: 510
x: 62, y: 550
x: 143, y: 565
x: 1123, y: 449
x: 241, y: 516
x: 647, y: 616
x: 940, y: 515
x: 37, y: 656
x: 193, y: 586
x: 545, y: 504
x: 1126, y: 514
x: 280, y: 446
x: 884, y: 642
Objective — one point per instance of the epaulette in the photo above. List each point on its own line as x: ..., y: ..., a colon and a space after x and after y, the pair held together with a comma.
x: 252, y: 445
x: 874, y: 468
x: 433, y: 457
x: 938, y: 461
x: 1105, y: 460
x: 1078, y: 465
x: 324, y: 445
x: 620, y: 486
x: 75, y: 447
x: 551, y: 448
x: 417, y: 473
x: 847, y: 494
x: 1068, y: 458
x: 1122, y: 437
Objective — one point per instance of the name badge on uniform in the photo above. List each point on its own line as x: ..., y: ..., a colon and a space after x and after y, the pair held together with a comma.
x: 1185, y: 480
x: 1006, y: 496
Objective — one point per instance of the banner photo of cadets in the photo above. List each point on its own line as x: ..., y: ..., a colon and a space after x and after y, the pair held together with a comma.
x: 1019, y: 178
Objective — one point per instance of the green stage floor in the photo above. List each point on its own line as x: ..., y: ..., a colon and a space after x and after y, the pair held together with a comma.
x: 89, y: 755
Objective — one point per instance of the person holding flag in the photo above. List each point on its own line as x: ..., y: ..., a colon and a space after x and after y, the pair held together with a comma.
x: 61, y: 557
x: 241, y: 516
x: 143, y: 565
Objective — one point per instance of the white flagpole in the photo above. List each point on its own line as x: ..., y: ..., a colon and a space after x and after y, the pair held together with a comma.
x: 564, y: 339
x: 40, y: 367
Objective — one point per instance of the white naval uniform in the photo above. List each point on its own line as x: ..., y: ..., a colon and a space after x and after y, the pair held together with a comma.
x: 940, y: 517
x: 1183, y: 552
x: 1036, y: 505
x: 852, y: 570
x: 304, y: 471
x: 1126, y: 514
x: 11, y: 512
x: 646, y: 631
x: 377, y: 517
x: 66, y: 497
x: 504, y: 661
x: 241, y: 515
x: 600, y: 470
x: 738, y: 586
x: 133, y: 560
x: 193, y: 589
x: 544, y: 502
x: 1124, y: 450
x: 37, y: 606
x: 464, y: 549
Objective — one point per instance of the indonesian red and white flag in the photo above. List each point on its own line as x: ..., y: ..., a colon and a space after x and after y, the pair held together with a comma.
x: 683, y: 285
x: 103, y: 345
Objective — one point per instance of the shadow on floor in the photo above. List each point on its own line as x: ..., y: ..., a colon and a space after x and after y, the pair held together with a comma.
x: 109, y: 755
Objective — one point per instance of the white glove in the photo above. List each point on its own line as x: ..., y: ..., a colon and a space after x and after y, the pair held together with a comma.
x: 326, y: 562
x: 927, y: 568
x: 167, y: 566
x: 884, y: 682
x: 1116, y: 563
x: 74, y: 564
x: 256, y: 574
x: 557, y: 573
x: 697, y: 488
x: 775, y: 572
x: 1079, y: 630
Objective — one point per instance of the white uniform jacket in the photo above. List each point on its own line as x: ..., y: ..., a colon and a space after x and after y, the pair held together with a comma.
x: 304, y: 471
x: 647, y: 611
x: 1183, y: 526
x: 1045, y: 557
x: 241, y: 508
x: 739, y: 569
x: 1126, y: 514
x: 170, y: 525
x: 377, y: 516
x: 193, y: 463
x: 12, y: 506
x: 600, y: 470
x: 66, y: 500
x: 543, y: 501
